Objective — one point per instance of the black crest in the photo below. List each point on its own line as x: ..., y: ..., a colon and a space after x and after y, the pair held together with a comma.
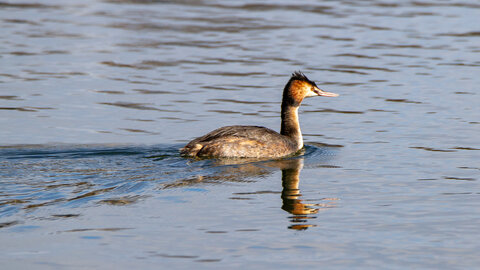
x: 298, y: 75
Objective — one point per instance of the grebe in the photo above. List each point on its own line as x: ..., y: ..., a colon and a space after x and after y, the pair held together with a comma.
x: 261, y: 142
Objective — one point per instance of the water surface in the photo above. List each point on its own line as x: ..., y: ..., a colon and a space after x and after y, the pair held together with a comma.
x: 97, y: 96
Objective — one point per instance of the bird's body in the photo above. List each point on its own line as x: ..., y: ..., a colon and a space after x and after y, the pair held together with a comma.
x: 241, y: 141
x: 256, y: 141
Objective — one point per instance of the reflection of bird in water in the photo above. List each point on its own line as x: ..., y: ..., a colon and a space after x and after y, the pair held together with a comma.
x: 291, y: 194
x: 243, y: 170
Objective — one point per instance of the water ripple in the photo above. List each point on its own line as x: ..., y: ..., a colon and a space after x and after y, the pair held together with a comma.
x: 36, y: 172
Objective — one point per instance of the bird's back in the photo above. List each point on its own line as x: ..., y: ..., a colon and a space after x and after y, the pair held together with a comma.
x: 240, y: 141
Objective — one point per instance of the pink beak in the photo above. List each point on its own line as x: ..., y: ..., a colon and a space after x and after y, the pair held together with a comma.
x: 322, y: 93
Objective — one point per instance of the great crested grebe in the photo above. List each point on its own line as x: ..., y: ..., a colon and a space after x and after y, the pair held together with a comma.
x: 256, y: 141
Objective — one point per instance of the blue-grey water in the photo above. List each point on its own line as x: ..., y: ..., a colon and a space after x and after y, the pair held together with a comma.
x: 96, y: 97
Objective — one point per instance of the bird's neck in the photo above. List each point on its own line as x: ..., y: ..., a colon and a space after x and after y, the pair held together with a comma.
x: 290, y: 125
